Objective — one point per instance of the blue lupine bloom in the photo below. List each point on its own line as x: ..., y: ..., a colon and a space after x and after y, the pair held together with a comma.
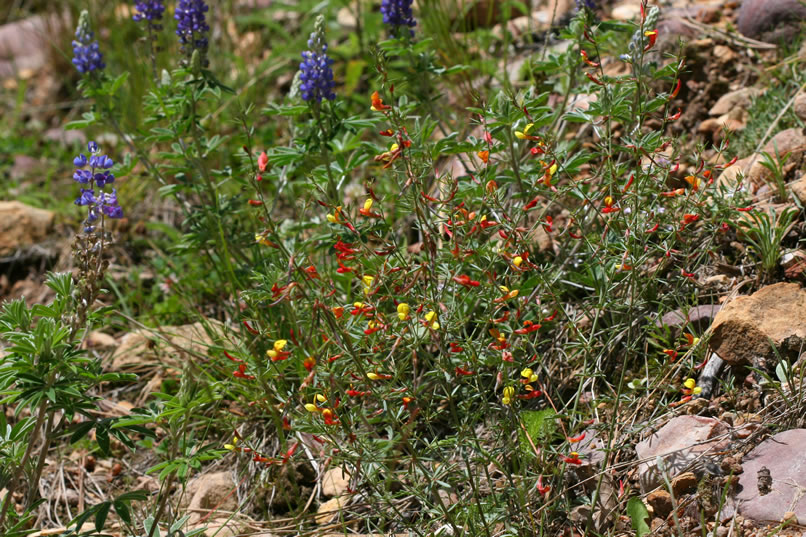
x: 148, y: 10
x: 191, y: 26
x: 86, y: 55
x: 590, y: 4
x: 397, y: 13
x: 315, y: 75
x: 97, y: 176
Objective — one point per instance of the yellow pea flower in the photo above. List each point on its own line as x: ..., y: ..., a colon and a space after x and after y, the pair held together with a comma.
x: 524, y: 134
x: 403, y: 311
x: 529, y: 375
x: 509, y: 395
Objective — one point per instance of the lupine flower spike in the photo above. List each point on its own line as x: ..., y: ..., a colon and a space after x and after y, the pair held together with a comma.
x: 397, y: 14
x: 150, y: 11
x: 192, y: 28
x: 97, y: 176
x: 86, y: 55
x: 315, y: 74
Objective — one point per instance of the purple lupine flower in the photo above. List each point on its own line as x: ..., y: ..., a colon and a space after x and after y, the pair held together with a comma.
x: 97, y: 176
x: 315, y: 74
x: 397, y: 14
x: 590, y: 4
x: 149, y: 10
x: 86, y: 55
x: 191, y: 26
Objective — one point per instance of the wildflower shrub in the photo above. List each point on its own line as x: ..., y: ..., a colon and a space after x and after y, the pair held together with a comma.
x: 444, y: 302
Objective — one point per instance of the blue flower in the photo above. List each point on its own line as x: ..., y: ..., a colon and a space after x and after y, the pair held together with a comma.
x: 397, y: 13
x: 149, y: 10
x: 315, y: 74
x: 191, y: 26
x: 590, y: 4
x: 86, y: 55
x: 97, y: 176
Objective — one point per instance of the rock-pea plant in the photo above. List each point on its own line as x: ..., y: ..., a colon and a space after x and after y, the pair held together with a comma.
x: 454, y: 326
x: 46, y: 377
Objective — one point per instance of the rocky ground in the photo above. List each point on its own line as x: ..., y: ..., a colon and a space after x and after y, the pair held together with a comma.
x: 740, y: 459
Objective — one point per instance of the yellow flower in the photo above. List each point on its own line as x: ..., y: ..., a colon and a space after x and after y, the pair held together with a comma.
x: 278, y: 347
x: 553, y: 169
x: 321, y: 398
x: 368, y: 204
x: 403, y: 311
x: 232, y: 446
x: 310, y: 407
x: 367, y: 281
x: 358, y: 305
x: 431, y: 317
x: 509, y: 394
x: 518, y: 261
x: 521, y: 135
x: 691, y: 385
x: 529, y: 375
x: 373, y: 376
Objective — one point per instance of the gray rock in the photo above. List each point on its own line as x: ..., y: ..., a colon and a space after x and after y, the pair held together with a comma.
x: 770, y: 20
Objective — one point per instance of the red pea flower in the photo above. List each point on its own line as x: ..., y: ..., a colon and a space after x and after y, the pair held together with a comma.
x: 466, y: 281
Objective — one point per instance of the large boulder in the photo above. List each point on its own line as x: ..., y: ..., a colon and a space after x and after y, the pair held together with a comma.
x: 743, y: 329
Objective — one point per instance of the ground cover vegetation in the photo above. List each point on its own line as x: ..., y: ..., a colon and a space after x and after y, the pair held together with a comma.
x: 390, y: 269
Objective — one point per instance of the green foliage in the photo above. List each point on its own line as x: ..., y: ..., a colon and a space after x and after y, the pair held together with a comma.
x: 765, y: 232
x: 639, y: 516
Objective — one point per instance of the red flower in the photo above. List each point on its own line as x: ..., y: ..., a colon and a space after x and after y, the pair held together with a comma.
x: 241, y: 373
x: 262, y: 161
x: 311, y: 272
x: 573, y: 458
x: 466, y: 281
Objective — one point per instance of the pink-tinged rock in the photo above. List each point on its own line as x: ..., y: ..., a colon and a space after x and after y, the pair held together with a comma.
x: 743, y: 329
x: 699, y: 317
x: 25, y: 44
x: 770, y: 20
x: 680, y: 442
x: 783, y: 455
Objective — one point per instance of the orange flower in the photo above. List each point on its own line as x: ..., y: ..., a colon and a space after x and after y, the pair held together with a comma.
x: 484, y: 156
x: 377, y: 103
